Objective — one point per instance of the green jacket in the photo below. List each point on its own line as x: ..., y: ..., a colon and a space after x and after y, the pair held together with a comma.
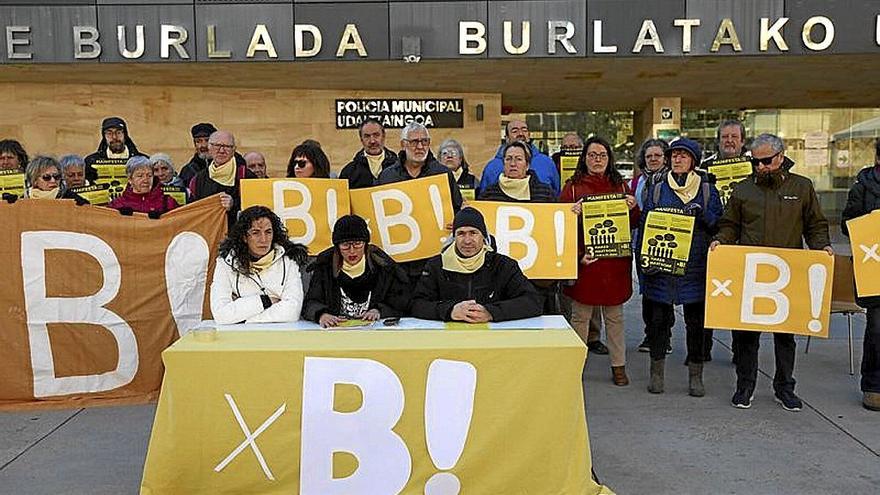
x: 782, y: 217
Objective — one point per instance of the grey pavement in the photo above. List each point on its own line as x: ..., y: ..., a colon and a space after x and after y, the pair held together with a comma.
x: 641, y: 443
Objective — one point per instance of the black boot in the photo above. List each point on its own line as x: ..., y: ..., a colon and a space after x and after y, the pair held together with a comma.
x: 657, y: 370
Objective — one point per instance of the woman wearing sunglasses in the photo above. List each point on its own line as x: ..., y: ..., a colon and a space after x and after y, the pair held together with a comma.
x: 354, y: 279
x: 308, y: 161
x: 44, y: 178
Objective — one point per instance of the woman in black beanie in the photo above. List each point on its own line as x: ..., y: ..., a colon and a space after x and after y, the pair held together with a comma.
x: 354, y: 279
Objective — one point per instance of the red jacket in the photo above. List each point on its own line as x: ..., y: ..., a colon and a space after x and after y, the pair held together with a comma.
x: 153, y: 201
x: 607, y: 282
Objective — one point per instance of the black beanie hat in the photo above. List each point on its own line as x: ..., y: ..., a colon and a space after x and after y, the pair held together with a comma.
x: 470, y: 217
x: 111, y: 122
x: 203, y: 129
x: 350, y: 228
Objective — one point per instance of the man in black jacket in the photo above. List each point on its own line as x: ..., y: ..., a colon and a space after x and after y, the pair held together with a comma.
x: 864, y: 197
x: 200, y: 134
x: 115, y: 148
x: 471, y: 283
x: 222, y: 175
x: 363, y: 170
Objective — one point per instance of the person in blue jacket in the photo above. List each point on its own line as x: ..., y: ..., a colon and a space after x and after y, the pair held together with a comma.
x: 541, y: 164
x: 695, y: 194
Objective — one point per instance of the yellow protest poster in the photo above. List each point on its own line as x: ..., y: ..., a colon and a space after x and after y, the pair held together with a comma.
x: 112, y: 171
x: 769, y: 290
x: 12, y: 182
x: 308, y: 207
x: 541, y: 237
x: 176, y: 192
x: 864, y: 237
x: 606, y: 226
x: 666, y: 241
x: 729, y: 171
x: 407, y: 219
x: 467, y: 193
x: 96, y: 194
x: 568, y: 161
x: 372, y: 412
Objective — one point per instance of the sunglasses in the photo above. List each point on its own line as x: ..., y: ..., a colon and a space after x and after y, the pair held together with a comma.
x: 764, y: 161
x: 48, y: 177
x: 300, y: 163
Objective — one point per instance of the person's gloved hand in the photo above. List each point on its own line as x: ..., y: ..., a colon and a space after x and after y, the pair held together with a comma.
x: 125, y: 210
x: 154, y: 214
x: 10, y: 198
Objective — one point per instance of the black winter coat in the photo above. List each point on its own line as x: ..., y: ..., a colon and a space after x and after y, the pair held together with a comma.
x: 390, y: 294
x: 91, y: 172
x: 863, y: 198
x: 499, y: 285
x: 202, y: 185
x: 398, y: 173
x: 539, y: 192
x: 358, y: 174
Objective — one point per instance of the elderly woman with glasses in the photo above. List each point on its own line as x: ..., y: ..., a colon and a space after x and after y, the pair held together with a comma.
x: 143, y: 193
x: 308, y: 160
x: 354, y: 279
x: 44, y: 178
x: 452, y: 156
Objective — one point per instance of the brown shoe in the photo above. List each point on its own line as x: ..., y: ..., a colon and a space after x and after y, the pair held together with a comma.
x: 618, y: 376
x: 871, y: 401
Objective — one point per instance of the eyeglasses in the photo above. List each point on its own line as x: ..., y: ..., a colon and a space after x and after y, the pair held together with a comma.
x: 349, y: 245
x: 449, y: 153
x: 48, y: 177
x: 764, y: 161
x: 654, y: 156
x: 419, y: 142
x: 221, y: 146
x: 300, y: 163
x: 597, y: 156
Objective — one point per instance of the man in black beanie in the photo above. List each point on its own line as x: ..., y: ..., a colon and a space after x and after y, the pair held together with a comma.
x: 115, y: 148
x: 470, y: 282
x: 200, y: 134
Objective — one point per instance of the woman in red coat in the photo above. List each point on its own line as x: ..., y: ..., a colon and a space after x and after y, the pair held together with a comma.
x: 143, y: 193
x: 607, y: 282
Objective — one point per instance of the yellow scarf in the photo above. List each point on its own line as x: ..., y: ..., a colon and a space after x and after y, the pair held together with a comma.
x: 457, y: 173
x: 264, y: 262
x: 689, y: 190
x: 35, y: 193
x: 375, y: 163
x: 120, y: 156
x: 223, y: 173
x: 515, y: 188
x: 452, y: 262
x: 355, y: 270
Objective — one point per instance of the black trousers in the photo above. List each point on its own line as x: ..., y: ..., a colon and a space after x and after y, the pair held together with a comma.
x: 871, y: 352
x: 662, y: 318
x: 747, y: 344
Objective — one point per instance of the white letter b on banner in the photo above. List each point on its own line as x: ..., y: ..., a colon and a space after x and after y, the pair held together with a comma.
x: 752, y: 289
x: 42, y: 310
x: 384, y: 463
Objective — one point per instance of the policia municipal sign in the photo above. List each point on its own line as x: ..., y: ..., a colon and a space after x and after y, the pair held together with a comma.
x: 397, y: 114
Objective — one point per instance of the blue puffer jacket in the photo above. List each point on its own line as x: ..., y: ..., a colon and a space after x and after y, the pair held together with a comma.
x: 691, y: 287
x: 542, y: 165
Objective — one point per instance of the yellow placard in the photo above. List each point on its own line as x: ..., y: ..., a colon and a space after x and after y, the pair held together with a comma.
x: 176, y: 192
x: 542, y: 237
x: 727, y: 172
x: 379, y: 412
x: 568, y: 161
x: 112, y: 171
x: 666, y: 241
x: 864, y: 237
x: 467, y: 193
x: 309, y: 207
x: 12, y: 182
x: 95, y: 194
x: 407, y: 219
x: 769, y: 290
x: 606, y: 226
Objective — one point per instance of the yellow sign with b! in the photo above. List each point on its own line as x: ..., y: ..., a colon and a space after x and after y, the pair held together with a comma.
x: 769, y: 290
x: 864, y: 236
x: 666, y: 241
x: 309, y: 208
x: 541, y: 237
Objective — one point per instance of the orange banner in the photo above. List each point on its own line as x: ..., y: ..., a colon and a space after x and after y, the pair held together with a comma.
x: 91, y: 298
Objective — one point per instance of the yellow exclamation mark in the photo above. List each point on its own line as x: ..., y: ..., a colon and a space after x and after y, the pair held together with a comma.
x: 559, y: 225
x: 437, y: 204
x: 449, y: 407
x: 817, y: 276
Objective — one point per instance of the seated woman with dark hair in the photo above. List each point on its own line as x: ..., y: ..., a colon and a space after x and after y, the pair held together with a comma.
x: 308, y: 160
x: 143, y: 193
x: 257, y: 274
x: 355, y: 279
